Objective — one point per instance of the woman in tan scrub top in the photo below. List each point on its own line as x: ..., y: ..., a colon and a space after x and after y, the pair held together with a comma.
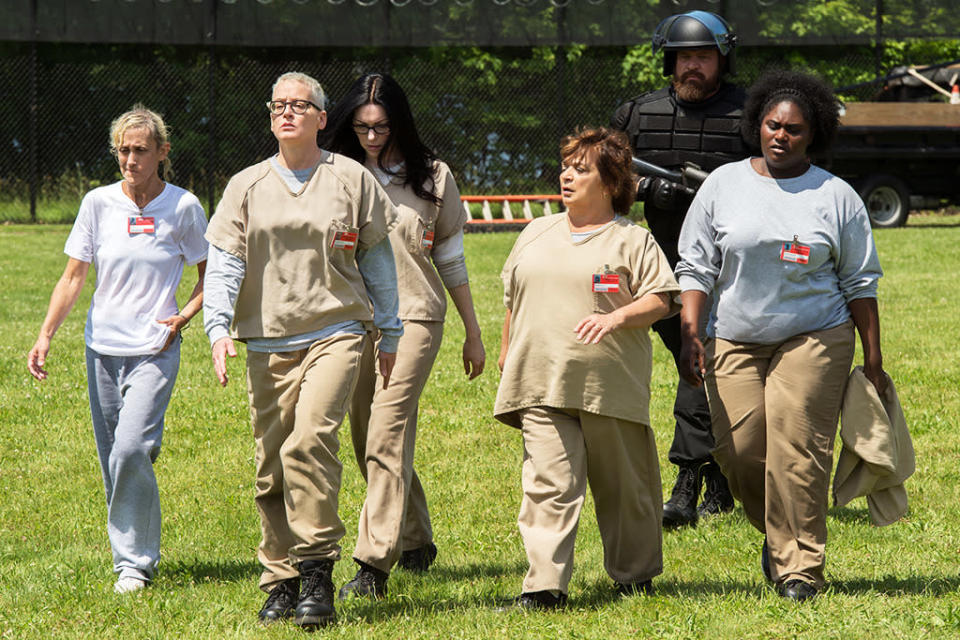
x: 373, y: 124
x: 581, y: 290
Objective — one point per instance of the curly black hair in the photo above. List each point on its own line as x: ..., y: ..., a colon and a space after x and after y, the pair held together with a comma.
x: 815, y: 98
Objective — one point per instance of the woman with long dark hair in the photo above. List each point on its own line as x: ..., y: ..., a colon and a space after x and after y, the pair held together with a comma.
x: 373, y: 124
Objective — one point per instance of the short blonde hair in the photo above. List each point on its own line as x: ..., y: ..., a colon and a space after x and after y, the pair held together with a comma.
x: 139, y: 117
x: 316, y: 91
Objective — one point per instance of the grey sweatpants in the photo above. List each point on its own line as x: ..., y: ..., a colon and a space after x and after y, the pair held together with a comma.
x: 128, y: 398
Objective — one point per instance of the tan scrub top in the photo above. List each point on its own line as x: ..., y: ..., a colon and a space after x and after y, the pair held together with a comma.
x: 550, y: 284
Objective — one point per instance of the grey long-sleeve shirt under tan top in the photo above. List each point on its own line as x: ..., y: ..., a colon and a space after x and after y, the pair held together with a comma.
x: 225, y: 273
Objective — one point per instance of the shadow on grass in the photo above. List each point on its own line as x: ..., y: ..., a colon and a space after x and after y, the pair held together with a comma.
x: 202, y: 572
x: 850, y: 515
x: 467, y: 572
x: 926, y: 585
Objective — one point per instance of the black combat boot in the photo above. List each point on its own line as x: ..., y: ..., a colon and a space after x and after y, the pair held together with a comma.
x: 369, y: 582
x: 315, y: 604
x: 681, y: 508
x: 540, y: 600
x: 418, y: 560
x: 280, y: 602
x: 716, y: 494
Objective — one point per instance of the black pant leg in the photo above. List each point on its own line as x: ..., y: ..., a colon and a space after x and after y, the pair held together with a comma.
x: 692, y: 438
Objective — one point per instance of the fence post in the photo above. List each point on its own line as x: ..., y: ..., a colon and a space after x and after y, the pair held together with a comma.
x: 561, y: 70
x: 212, y: 128
x: 878, y: 45
x: 34, y: 138
x: 211, y: 107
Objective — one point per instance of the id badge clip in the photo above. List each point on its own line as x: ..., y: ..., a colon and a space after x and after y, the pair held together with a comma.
x: 345, y: 240
x: 795, y: 252
x: 606, y: 282
x: 141, y: 224
x: 426, y: 240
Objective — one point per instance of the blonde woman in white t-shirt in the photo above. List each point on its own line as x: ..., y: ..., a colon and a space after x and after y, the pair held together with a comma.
x: 373, y: 124
x: 138, y: 233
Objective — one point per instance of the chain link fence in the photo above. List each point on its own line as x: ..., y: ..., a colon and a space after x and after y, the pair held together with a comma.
x: 494, y: 115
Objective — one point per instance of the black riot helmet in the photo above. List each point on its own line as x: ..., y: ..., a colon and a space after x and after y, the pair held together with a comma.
x: 693, y: 30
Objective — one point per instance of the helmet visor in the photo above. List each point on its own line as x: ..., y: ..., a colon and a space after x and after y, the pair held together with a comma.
x: 717, y: 28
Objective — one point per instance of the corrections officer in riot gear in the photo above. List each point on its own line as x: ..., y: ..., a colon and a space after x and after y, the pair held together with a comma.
x: 696, y: 119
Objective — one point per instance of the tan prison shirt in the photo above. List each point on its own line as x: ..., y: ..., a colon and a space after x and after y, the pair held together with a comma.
x: 300, y: 248
x: 422, y: 226
x: 549, y: 287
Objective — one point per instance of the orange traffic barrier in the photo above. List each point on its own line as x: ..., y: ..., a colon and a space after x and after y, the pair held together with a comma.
x: 486, y: 211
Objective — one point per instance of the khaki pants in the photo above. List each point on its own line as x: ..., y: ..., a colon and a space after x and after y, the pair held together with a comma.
x: 297, y: 401
x: 384, y: 428
x: 775, y: 410
x: 565, y: 449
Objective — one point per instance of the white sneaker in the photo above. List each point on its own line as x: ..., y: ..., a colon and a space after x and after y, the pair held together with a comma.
x: 129, y: 585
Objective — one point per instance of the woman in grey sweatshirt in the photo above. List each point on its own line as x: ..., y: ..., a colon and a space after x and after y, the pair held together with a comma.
x: 786, y: 251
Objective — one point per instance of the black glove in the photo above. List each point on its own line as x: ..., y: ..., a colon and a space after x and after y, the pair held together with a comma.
x: 665, y: 194
x: 644, y: 186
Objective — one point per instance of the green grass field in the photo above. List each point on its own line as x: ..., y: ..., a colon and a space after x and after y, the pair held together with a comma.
x: 55, y: 569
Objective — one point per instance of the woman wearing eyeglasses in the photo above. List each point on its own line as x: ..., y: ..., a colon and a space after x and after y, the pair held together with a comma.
x: 373, y: 124
x: 299, y: 248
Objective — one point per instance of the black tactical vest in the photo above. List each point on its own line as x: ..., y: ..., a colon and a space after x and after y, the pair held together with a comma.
x: 668, y: 132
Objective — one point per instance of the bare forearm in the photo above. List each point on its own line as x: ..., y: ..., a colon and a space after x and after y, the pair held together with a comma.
x: 64, y: 296
x: 866, y: 317
x: 643, y: 312
x: 195, y: 302
x: 463, y: 301
x: 693, y: 302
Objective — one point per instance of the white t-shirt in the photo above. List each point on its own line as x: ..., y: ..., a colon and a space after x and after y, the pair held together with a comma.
x: 139, y: 258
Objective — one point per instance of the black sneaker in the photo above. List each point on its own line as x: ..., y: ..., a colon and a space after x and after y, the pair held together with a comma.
x: 640, y: 588
x: 280, y: 602
x: 315, y: 604
x: 796, y: 590
x: 369, y: 582
x: 716, y: 495
x: 681, y: 508
x: 540, y: 600
x: 419, y: 559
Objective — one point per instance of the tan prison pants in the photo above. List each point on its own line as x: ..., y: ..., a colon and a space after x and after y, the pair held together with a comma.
x: 297, y: 401
x: 383, y: 425
x: 774, y: 410
x: 565, y: 449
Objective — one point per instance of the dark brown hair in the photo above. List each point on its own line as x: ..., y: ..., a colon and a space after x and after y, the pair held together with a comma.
x: 610, y: 152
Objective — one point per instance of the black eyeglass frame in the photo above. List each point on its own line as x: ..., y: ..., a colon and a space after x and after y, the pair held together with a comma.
x: 299, y: 110
x: 362, y: 129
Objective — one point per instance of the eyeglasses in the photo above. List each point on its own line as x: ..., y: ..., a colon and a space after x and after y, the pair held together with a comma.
x: 362, y: 129
x: 299, y: 107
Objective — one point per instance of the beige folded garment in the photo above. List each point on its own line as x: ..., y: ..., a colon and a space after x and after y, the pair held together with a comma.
x: 877, y: 455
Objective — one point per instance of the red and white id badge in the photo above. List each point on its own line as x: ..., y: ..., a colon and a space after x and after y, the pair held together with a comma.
x: 345, y: 240
x: 140, y: 224
x: 426, y: 240
x: 795, y: 252
x: 606, y: 282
